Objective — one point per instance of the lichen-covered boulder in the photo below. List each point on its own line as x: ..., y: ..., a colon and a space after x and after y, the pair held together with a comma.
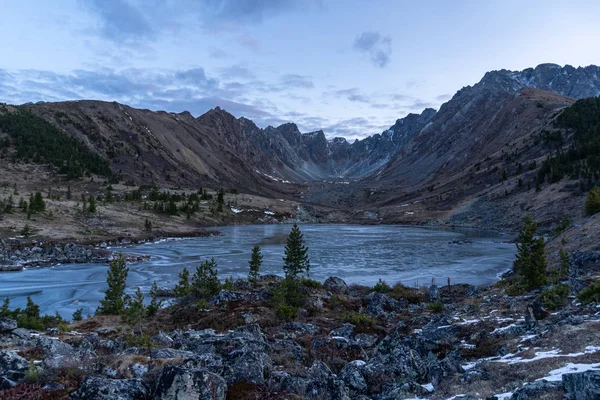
x: 539, y: 390
x: 336, y: 285
x: 96, y: 388
x: 7, y: 325
x: 582, y: 385
x: 181, y: 383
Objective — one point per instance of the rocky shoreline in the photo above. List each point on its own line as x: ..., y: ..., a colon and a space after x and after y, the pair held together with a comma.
x: 17, y: 254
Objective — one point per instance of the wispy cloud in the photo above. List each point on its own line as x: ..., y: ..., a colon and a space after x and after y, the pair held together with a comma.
x: 297, y: 81
x: 354, y: 128
x: 376, y: 46
x: 249, y: 41
x: 174, y: 91
x: 351, y: 94
x: 136, y: 20
x: 236, y: 71
x: 121, y: 20
x: 248, y: 11
x: 218, y: 54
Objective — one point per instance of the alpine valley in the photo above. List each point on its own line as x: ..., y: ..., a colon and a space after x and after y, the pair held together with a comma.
x: 460, y: 165
x: 518, y: 151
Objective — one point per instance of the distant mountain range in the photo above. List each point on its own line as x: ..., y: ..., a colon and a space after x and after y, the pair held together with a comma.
x: 478, y: 125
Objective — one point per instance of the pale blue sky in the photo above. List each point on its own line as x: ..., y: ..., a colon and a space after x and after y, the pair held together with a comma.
x: 348, y: 67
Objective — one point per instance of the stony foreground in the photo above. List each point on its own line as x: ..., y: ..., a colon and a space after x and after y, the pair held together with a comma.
x: 349, y: 343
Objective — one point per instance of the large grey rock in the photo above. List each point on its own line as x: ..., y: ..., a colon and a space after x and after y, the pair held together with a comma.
x: 288, y: 351
x: 96, y: 388
x: 7, y: 325
x: 441, y: 369
x: 352, y: 376
x: 319, y: 370
x: 281, y: 381
x: 399, y: 364
x: 226, y: 296
x: 172, y: 353
x: 336, y: 285
x: 249, y: 364
x: 413, y: 358
x: 319, y: 384
x: 381, y: 304
x: 433, y: 293
x: 582, y: 385
x: 12, y: 366
x: 539, y: 390
x: 163, y: 339
x: 441, y: 329
x: 403, y: 390
x: 57, y: 352
x: 326, y: 389
x: 300, y: 328
x: 366, y: 340
x: 346, y: 331
x: 180, y: 383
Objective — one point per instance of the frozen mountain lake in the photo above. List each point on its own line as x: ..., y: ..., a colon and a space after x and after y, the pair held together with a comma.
x: 356, y: 253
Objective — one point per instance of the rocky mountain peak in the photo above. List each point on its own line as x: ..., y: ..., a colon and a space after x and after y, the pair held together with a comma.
x: 217, y: 113
x: 568, y: 81
x: 338, y: 141
x: 316, y: 135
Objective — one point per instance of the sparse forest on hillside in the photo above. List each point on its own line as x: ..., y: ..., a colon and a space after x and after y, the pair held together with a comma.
x: 581, y: 160
x: 37, y: 141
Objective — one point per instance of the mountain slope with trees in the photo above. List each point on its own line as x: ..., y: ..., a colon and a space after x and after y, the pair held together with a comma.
x: 496, y: 150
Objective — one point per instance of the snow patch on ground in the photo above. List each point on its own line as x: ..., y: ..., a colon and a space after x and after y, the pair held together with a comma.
x: 428, y: 387
x: 504, y: 328
x: 527, y: 337
x: 272, y: 177
x: 556, y: 374
x: 513, y: 359
x: 469, y: 322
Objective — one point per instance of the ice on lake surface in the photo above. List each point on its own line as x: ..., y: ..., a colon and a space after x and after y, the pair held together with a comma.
x: 357, y: 253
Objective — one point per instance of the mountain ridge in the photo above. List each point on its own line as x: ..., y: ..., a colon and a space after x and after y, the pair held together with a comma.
x: 427, y: 157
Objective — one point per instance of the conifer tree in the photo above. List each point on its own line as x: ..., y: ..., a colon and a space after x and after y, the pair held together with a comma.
x: 32, y: 310
x: 530, y: 264
x: 255, y: 264
x: 155, y: 303
x: 36, y: 202
x: 78, y: 315
x: 91, y: 205
x: 5, y: 309
x: 296, y: 260
x: 205, y: 282
x: 182, y: 289
x: 23, y: 205
x: 116, y: 278
x: 135, y: 311
x: 592, y: 203
x: 220, y: 200
x: 564, y: 262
